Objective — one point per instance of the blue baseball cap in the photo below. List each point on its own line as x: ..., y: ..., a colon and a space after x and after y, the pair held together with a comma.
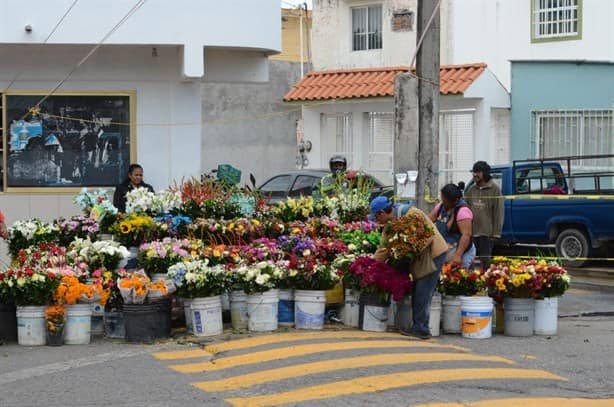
x: 379, y: 204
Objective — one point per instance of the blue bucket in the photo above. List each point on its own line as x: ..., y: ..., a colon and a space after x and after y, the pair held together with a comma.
x: 285, y: 308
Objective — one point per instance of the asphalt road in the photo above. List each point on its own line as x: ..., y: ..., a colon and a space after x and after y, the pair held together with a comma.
x: 334, y: 367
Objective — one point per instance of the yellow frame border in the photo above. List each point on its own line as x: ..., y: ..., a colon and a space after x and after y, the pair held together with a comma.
x: 64, y: 190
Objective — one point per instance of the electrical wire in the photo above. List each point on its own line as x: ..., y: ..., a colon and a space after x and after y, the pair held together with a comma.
x: 130, y: 13
x: 44, y: 42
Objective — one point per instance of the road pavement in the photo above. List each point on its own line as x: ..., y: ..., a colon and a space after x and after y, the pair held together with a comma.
x: 334, y: 367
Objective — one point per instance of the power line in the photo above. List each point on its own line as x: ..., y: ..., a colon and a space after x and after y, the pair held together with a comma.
x: 130, y: 13
x: 44, y: 42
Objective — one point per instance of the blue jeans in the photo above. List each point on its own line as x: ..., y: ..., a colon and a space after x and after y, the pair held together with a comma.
x: 421, y: 296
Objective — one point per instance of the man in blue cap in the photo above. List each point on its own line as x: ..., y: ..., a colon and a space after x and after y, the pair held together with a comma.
x: 425, y: 270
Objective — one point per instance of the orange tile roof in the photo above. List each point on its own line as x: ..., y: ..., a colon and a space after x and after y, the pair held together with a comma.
x: 372, y: 82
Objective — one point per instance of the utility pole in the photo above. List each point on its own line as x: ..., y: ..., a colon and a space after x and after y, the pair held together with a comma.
x: 416, y: 142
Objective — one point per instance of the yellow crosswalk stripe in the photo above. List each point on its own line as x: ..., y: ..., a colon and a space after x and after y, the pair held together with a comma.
x: 372, y: 384
x: 271, y: 375
x: 294, y: 336
x: 301, y: 350
x: 182, y: 354
x: 529, y: 402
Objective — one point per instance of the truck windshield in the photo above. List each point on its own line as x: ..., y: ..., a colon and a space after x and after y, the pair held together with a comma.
x: 534, y: 181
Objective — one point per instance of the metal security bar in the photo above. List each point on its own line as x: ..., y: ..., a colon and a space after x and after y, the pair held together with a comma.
x: 381, y: 139
x: 555, y: 18
x: 456, y: 142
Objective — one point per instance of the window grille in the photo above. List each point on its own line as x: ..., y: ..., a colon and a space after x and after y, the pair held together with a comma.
x: 381, y: 145
x: 556, y: 18
x: 366, y: 28
x: 456, y: 140
x: 338, y: 127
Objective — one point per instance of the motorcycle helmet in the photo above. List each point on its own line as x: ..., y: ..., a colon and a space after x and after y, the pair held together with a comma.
x: 337, y: 164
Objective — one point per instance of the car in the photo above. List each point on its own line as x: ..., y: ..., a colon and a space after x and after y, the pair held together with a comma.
x: 304, y: 182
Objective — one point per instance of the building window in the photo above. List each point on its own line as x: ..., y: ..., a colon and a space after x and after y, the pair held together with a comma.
x: 74, y: 140
x: 381, y: 145
x: 556, y: 19
x: 338, y: 137
x: 562, y: 133
x: 366, y: 28
x: 456, y: 141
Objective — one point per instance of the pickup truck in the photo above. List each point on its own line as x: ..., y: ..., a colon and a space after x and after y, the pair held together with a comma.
x: 547, y: 203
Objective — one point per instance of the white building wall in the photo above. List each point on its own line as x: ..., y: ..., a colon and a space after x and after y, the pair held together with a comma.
x: 332, y: 20
x: 497, y: 31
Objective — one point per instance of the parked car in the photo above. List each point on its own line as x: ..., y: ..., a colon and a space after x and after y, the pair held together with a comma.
x: 305, y: 182
x: 547, y: 206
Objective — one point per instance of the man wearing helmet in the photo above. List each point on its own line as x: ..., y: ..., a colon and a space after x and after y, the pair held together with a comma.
x: 338, y: 167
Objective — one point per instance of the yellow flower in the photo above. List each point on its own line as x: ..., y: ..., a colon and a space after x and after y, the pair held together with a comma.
x: 125, y: 227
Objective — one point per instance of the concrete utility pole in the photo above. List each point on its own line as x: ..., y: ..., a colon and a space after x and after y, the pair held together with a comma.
x: 416, y: 143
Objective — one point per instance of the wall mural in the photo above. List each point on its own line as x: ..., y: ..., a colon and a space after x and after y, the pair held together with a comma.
x: 75, y: 140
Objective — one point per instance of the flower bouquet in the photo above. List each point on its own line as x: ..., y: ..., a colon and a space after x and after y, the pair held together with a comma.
x: 380, y: 278
x: 26, y: 233
x: 511, y: 278
x: 70, y: 290
x: 77, y: 226
x: 134, y: 287
x: 406, y: 237
x: 104, y: 254
x: 29, y: 285
x: 55, y: 318
x: 553, y: 280
x: 295, y: 209
x: 349, y: 206
x: 258, y: 277
x: 197, y: 279
x: 132, y: 230
x: 456, y: 280
x: 157, y: 256
x: 98, y: 206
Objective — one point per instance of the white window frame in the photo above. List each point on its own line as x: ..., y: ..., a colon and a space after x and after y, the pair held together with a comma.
x: 373, y: 26
x: 556, y: 20
x: 451, y: 170
x: 375, y: 152
x: 343, y: 144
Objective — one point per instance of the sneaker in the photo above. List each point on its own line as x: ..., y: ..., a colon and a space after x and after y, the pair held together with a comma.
x: 415, y: 334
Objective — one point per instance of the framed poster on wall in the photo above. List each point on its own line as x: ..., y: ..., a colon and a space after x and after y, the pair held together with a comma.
x: 80, y: 139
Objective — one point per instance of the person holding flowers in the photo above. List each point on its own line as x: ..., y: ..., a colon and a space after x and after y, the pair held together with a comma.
x: 134, y: 180
x: 453, y: 219
x: 410, y: 241
x: 4, y: 232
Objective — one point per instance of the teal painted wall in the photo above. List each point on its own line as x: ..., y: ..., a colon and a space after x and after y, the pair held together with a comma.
x: 555, y: 85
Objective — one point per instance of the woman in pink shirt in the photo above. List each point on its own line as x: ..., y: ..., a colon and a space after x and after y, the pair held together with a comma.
x: 453, y: 219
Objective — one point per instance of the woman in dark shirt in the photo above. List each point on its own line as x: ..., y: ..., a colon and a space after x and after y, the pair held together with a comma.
x: 134, y: 180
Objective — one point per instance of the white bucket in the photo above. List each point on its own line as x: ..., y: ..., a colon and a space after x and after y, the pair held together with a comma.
x: 403, y: 319
x: 351, y: 308
x: 451, y: 314
x: 78, y: 324
x: 31, y: 330
x: 309, y: 306
x: 262, y: 311
x: 373, y: 313
x: 392, y: 314
x: 285, y: 309
x: 546, y: 315
x: 225, y: 302
x: 519, y: 316
x: 238, y: 309
x: 476, y: 317
x: 187, y: 312
x: 207, y: 316
x: 435, y: 315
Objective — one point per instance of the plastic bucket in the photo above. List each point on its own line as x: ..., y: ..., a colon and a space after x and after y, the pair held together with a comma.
x: 285, y: 310
x: 435, y: 315
x: 519, y: 316
x: 238, y: 309
x: 140, y: 322
x: 262, y: 311
x: 114, y: 326
x: 309, y: 306
x: 78, y: 324
x: 187, y: 311
x: 8, y: 323
x: 31, y: 330
x: 351, y: 308
x: 207, y: 316
x: 476, y: 317
x: 403, y: 315
x: 162, y: 329
x: 97, y: 319
x: 372, y: 313
x: 451, y: 314
x: 546, y: 316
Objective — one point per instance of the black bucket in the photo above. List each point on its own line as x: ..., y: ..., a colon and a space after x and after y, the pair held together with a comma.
x: 163, y: 314
x: 141, y: 321
x: 8, y: 323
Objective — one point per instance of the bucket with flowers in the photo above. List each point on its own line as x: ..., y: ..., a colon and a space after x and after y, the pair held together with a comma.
x: 55, y: 318
x: 132, y: 230
x: 455, y: 282
x: 97, y: 205
x: 553, y: 281
x: 70, y: 292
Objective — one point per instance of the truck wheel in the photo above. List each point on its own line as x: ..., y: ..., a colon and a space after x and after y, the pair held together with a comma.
x: 571, y: 244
